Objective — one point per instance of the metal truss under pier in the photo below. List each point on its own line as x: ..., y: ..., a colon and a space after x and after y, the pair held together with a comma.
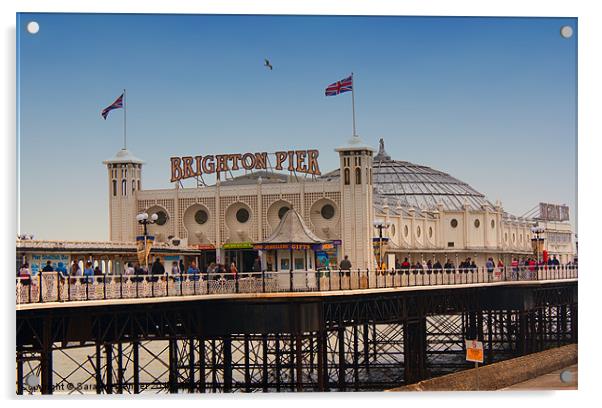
x: 369, y: 341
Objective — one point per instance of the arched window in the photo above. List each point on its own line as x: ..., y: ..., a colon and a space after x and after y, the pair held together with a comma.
x: 358, y: 175
x: 138, y: 184
x: 123, y: 188
x: 133, y: 185
x: 114, y: 188
x: 346, y: 177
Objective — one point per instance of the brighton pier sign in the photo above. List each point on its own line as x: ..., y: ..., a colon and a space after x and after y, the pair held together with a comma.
x: 299, y: 161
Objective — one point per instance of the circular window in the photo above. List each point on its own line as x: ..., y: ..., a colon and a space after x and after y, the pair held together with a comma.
x: 327, y: 211
x: 506, y: 237
x: 242, y: 215
x: 161, y: 218
x: 405, y: 231
x: 392, y: 230
x: 201, y: 217
x: 477, y: 223
x: 430, y: 232
x: 492, y: 223
x: 454, y: 223
x: 513, y: 237
x: 283, y: 210
x: 418, y: 232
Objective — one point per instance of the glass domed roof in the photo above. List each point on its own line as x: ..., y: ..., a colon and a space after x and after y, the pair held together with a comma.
x: 415, y: 186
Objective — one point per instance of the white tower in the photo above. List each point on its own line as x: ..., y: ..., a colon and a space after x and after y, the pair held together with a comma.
x: 356, y: 202
x: 125, y: 175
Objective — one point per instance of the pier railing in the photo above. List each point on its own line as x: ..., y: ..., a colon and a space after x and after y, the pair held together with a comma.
x: 56, y: 287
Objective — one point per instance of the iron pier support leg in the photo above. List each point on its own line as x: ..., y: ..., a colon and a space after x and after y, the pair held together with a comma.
x: 247, y: 364
x: 19, y: 373
x: 173, y: 365
x: 264, y: 371
x: 109, y: 368
x: 277, y: 362
x: 46, y: 357
x: 573, y: 322
x: 227, y: 364
x: 522, y: 333
x: 291, y: 360
x: 356, y: 376
x: 366, y: 343
x: 120, y: 367
x: 489, y: 338
x: 191, y: 364
x: 136, y: 365
x: 299, y: 361
x: 97, y: 369
x: 322, y: 361
x: 414, y: 350
x: 202, y: 371
x: 341, y: 343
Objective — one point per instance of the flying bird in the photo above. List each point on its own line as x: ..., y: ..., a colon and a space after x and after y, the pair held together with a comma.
x: 267, y: 64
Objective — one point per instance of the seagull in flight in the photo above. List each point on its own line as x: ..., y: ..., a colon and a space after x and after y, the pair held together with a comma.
x: 267, y: 64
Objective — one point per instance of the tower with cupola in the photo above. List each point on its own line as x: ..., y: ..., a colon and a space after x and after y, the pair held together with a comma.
x: 356, y: 202
x: 125, y: 179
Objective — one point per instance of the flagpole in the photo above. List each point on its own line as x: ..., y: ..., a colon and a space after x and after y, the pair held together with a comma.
x: 124, y: 122
x: 353, y: 102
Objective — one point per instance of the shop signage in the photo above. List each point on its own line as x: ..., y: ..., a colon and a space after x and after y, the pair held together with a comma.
x: 553, y: 212
x: 202, y: 246
x: 267, y: 247
x: 238, y: 245
x: 299, y: 161
x: 59, y: 262
x: 323, y: 247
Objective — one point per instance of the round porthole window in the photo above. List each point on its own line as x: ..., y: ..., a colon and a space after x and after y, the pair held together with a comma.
x: 454, y: 223
x: 477, y: 223
x: 283, y: 210
x: 418, y: 231
x: 161, y: 218
x: 405, y: 231
x: 513, y: 237
x: 327, y: 211
x: 242, y: 215
x: 392, y: 230
x: 201, y: 217
x: 430, y: 232
x: 506, y: 237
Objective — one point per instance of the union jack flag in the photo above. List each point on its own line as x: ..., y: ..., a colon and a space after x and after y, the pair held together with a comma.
x: 115, y: 105
x: 344, y: 85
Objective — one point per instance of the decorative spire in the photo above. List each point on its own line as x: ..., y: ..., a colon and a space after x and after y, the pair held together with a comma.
x: 382, y: 154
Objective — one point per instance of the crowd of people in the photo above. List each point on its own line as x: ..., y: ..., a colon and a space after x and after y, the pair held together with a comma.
x: 519, y: 268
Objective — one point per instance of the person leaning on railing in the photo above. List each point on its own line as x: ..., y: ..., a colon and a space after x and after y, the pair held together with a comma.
x: 345, y: 266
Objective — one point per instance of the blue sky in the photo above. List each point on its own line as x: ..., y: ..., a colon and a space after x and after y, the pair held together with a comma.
x: 492, y: 101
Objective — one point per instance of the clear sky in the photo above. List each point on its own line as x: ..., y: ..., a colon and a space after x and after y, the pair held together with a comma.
x: 491, y: 101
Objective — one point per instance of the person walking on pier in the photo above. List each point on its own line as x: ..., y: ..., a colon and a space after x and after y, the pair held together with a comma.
x: 157, y: 270
x: 514, y: 266
x: 193, y: 271
x: 89, y: 272
x: 233, y: 270
x: 48, y: 267
x: 25, y: 274
x: 490, y: 265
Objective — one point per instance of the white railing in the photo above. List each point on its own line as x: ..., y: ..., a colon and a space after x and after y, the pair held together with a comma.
x: 53, y: 286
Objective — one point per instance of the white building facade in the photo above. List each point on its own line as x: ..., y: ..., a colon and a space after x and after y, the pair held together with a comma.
x: 430, y: 215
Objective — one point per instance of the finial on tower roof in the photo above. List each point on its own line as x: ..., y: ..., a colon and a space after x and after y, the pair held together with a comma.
x: 382, y: 154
